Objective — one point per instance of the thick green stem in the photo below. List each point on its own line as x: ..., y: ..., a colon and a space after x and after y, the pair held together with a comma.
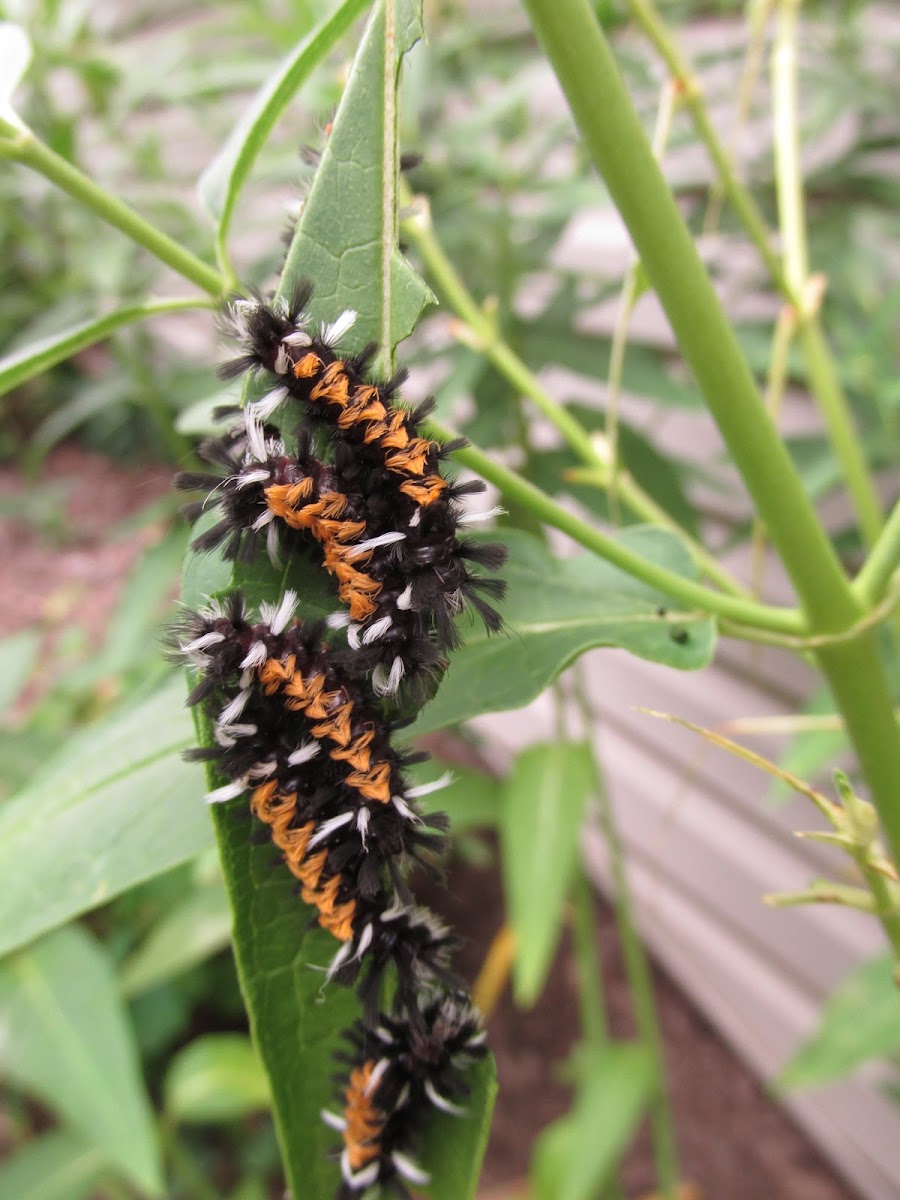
x: 778, y: 367
x: 685, y: 591
x: 27, y: 149
x: 664, y: 115
x: 587, y: 71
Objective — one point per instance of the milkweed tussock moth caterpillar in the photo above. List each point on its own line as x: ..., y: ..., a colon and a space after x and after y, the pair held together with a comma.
x: 296, y: 729
x: 397, y: 1069
x: 298, y: 725
x: 388, y: 524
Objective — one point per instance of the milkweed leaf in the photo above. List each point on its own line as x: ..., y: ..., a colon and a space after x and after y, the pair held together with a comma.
x: 116, y: 806
x: 66, y: 1039
x: 543, y: 806
x: 555, y: 610
x: 221, y: 183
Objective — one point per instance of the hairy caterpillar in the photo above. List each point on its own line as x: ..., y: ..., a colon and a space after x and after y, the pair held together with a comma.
x: 386, y: 520
x: 295, y: 727
x: 298, y: 726
x: 397, y: 1068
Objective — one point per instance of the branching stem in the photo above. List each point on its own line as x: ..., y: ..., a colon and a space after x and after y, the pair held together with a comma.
x: 685, y: 591
x: 613, y: 134
x: 483, y: 335
x: 22, y: 146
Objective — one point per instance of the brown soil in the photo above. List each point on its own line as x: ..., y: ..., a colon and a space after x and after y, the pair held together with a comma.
x: 735, y: 1143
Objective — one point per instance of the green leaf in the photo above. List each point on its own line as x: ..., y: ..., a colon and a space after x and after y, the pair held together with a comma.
x: 116, y: 806
x: 18, y: 656
x: 56, y: 1166
x: 295, y: 1019
x: 453, y: 1146
x: 575, y: 1156
x: 189, y: 933
x: 134, y: 627
x: 67, y: 1041
x: 346, y: 243
x: 214, y: 1079
x: 343, y: 242
x: 20, y: 366
x: 861, y: 1020
x: 221, y: 183
x: 15, y: 55
x: 555, y: 610
x: 543, y: 806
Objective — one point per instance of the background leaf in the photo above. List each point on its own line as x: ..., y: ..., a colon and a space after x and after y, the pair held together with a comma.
x: 575, y: 1155
x: 189, y: 933
x: 56, y: 1166
x: 116, y: 806
x: 220, y: 184
x: 18, y: 656
x: 65, y: 1038
x: 861, y: 1020
x: 215, y: 1078
x: 543, y: 806
x: 555, y: 610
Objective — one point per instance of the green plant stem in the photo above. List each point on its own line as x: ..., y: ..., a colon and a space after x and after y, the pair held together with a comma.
x: 826, y: 386
x: 25, y: 148
x: 685, y: 591
x: 791, y: 280
x: 637, y: 970
x: 788, y: 175
x: 591, y: 1004
x: 646, y: 16
x: 599, y: 101
x: 665, y: 113
x: 36, y: 358
x: 758, y: 12
x: 778, y: 366
x: 875, y: 575
x: 417, y: 229
x: 823, y: 377
x: 885, y: 910
x: 646, y: 1018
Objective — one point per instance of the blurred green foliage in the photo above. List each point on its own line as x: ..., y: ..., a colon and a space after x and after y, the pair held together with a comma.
x: 145, y: 97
